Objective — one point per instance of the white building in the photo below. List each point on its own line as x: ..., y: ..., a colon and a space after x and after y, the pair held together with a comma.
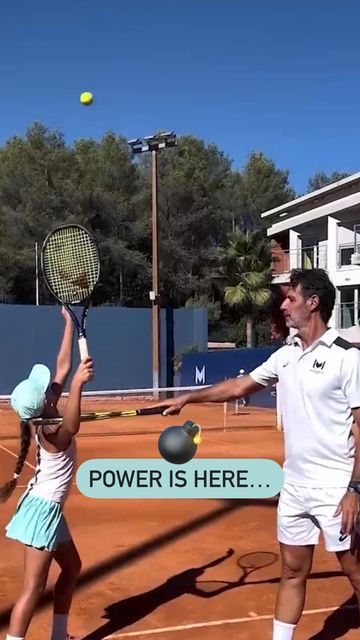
x: 322, y: 229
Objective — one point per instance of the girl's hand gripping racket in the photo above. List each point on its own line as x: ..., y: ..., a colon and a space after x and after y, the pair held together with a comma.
x: 70, y: 265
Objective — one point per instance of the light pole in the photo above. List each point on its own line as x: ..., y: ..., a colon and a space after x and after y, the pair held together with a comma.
x: 36, y: 275
x: 153, y: 144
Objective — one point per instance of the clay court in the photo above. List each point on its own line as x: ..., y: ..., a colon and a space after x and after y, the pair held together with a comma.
x: 145, y: 562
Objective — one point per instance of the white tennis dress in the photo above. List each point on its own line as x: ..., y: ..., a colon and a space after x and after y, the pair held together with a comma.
x: 38, y: 520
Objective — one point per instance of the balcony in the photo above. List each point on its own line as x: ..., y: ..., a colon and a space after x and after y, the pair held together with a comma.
x: 346, y: 315
x: 313, y: 257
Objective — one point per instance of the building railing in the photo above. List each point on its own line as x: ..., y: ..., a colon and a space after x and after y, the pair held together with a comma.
x: 312, y: 257
x: 346, y: 315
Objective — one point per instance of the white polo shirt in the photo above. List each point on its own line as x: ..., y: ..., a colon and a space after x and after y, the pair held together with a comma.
x: 319, y: 386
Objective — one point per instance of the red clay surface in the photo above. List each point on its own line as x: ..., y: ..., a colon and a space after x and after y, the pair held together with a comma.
x: 143, y: 572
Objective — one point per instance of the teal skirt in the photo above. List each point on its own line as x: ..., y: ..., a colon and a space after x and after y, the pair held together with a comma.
x: 38, y: 523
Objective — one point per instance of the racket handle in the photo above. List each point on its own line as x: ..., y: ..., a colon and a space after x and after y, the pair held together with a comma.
x: 83, y: 348
x: 152, y: 411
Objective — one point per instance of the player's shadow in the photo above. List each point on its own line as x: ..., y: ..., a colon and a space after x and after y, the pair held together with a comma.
x: 128, y: 611
x: 340, y: 621
x: 346, y: 616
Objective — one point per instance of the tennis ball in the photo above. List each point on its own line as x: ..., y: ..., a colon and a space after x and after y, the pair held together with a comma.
x: 86, y: 98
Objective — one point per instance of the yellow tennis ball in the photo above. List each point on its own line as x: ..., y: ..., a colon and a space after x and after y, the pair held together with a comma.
x: 86, y: 98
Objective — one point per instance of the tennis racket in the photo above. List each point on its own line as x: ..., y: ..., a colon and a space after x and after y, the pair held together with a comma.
x: 104, y: 415
x: 70, y: 265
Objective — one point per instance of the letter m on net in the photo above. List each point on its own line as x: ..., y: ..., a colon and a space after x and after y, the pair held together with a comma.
x: 200, y: 375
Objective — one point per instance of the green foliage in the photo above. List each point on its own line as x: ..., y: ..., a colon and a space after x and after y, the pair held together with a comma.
x: 212, y: 250
x: 264, y: 186
x: 244, y: 275
x: 213, y: 308
x: 321, y: 179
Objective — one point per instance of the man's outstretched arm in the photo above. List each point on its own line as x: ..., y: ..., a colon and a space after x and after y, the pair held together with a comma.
x: 220, y: 392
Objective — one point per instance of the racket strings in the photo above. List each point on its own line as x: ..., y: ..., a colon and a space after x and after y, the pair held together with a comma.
x: 71, y: 264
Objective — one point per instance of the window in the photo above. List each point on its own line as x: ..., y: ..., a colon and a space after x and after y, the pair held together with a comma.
x: 345, y: 253
x: 349, y: 307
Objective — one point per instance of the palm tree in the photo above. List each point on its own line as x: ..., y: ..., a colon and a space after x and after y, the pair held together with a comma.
x: 243, y: 274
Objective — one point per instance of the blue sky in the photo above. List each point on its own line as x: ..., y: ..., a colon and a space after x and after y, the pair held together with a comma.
x: 275, y: 76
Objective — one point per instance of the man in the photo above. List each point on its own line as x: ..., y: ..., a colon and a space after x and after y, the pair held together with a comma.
x: 319, y: 378
x: 244, y: 400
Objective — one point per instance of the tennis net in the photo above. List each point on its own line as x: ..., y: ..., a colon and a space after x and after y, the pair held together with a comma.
x: 218, y: 416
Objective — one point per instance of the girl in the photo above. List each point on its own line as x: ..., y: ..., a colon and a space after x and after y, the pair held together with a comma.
x: 38, y: 522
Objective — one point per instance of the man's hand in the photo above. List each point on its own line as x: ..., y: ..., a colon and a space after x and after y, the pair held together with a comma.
x: 349, y: 507
x: 173, y: 406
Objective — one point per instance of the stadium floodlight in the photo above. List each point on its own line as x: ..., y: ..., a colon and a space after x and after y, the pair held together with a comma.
x: 153, y: 144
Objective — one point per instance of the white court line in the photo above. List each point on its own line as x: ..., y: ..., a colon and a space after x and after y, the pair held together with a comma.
x: 236, y: 444
x: 214, y: 623
x: 15, y: 456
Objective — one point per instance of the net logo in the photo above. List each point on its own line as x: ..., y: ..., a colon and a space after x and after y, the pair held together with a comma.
x: 200, y: 375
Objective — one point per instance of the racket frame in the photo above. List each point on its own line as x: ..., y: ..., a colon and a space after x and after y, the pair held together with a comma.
x: 80, y: 325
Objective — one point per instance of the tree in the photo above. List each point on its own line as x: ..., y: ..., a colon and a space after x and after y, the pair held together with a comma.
x: 193, y: 218
x: 100, y: 184
x: 244, y: 276
x: 263, y: 187
x: 105, y: 185
x: 33, y: 174
x: 212, y: 307
x: 321, y: 179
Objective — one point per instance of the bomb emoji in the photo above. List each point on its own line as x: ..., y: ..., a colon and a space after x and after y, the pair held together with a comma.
x: 178, y: 444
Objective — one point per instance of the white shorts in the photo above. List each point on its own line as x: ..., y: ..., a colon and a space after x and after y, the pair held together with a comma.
x: 303, y: 513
